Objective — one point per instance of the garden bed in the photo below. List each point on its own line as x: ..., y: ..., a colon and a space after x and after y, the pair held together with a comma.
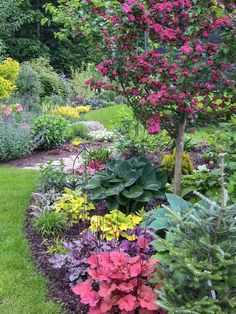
x: 59, y: 290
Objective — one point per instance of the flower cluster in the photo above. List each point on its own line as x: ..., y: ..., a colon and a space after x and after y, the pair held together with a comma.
x: 7, y: 111
x: 70, y: 112
x: 101, y: 135
x: 122, y: 284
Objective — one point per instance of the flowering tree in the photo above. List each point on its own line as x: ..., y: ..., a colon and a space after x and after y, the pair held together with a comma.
x: 172, y: 60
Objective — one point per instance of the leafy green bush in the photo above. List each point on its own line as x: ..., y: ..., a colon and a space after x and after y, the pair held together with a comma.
x: 53, y: 176
x: 197, y: 258
x: 128, y: 184
x: 52, y: 83
x: 50, y: 223
x: 53, y: 129
x: 202, y: 180
x: 16, y: 141
x: 78, y: 130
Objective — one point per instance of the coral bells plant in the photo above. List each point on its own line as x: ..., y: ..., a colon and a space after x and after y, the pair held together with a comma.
x: 172, y: 60
x: 122, y: 284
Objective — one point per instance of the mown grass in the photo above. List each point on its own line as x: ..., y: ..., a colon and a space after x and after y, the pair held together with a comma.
x: 107, y: 116
x: 22, y: 289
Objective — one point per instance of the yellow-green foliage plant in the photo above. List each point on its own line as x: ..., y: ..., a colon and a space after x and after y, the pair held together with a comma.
x: 70, y: 112
x: 9, y: 70
x: 114, y: 225
x: 74, y: 205
x: 169, y: 163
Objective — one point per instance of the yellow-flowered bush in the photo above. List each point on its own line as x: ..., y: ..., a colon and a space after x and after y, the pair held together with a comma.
x: 71, y: 112
x: 74, y: 205
x: 9, y: 70
x: 114, y: 225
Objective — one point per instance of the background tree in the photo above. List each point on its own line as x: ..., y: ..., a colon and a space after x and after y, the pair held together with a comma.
x: 23, y: 37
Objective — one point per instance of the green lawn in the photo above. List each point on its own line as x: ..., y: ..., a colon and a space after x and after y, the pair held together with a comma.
x: 22, y: 288
x: 107, y: 116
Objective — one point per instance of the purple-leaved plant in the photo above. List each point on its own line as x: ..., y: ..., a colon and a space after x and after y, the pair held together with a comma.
x: 75, y: 261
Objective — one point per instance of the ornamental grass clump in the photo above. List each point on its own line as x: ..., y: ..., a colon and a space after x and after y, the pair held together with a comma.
x: 122, y: 284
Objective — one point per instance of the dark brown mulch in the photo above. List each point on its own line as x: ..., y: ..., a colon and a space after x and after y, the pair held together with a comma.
x: 40, y: 157
x: 59, y: 289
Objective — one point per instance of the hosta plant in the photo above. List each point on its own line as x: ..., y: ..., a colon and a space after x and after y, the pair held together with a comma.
x: 74, y: 205
x: 128, y: 184
x: 115, y: 225
x: 122, y: 284
x: 74, y: 262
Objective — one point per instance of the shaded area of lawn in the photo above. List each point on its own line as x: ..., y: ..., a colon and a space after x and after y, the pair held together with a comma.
x: 22, y: 288
x: 107, y: 116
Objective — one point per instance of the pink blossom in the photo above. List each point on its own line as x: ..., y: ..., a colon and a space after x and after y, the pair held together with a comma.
x: 7, y: 111
x: 126, y: 8
x: 187, y: 50
x: 200, y: 48
x: 19, y: 108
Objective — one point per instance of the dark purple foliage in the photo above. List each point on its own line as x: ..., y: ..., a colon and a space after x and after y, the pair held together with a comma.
x: 133, y: 249
x: 75, y: 262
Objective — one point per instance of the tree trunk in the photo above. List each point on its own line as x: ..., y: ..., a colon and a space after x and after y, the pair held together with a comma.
x: 179, y: 154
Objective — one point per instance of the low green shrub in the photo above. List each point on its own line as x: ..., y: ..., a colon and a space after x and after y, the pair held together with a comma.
x: 50, y: 223
x: 16, y: 141
x: 53, y: 176
x: 52, y: 129
x: 52, y: 83
x: 78, y: 130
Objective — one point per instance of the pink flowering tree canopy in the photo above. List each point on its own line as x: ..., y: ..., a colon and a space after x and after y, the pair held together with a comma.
x: 172, y: 60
